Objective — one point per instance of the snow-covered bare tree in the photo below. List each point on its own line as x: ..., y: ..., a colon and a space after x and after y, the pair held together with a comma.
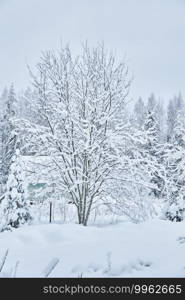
x: 81, y: 101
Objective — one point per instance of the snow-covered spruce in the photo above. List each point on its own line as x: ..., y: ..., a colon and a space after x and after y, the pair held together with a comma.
x: 14, y: 208
x: 7, y: 134
x: 175, y: 161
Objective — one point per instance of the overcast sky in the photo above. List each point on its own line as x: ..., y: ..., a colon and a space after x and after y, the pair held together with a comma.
x: 151, y: 33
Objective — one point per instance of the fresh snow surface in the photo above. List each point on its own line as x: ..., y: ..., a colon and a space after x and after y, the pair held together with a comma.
x: 152, y: 249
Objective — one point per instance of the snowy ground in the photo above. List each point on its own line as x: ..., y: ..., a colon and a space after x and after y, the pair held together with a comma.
x: 152, y: 249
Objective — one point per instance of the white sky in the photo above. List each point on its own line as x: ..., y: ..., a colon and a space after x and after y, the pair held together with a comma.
x: 150, y: 32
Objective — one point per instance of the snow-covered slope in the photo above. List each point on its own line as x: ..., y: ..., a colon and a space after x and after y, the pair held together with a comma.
x: 150, y: 249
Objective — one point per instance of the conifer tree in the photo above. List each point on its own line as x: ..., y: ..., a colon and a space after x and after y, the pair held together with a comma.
x: 175, y: 207
x: 153, y: 149
x: 8, y: 136
x: 15, y: 206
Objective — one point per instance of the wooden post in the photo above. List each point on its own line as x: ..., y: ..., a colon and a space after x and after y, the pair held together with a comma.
x: 50, y: 212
